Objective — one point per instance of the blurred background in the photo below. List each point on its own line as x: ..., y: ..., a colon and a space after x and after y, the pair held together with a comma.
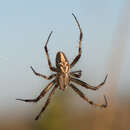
x: 24, y: 28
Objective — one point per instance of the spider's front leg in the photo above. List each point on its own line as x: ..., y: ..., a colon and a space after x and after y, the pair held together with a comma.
x: 86, y: 99
x: 80, y: 41
x: 48, y: 101
x: 48, y: 58
x: 45, y: 90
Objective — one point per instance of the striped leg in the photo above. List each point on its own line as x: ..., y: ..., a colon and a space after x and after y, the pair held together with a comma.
x: 47, y: 102
x: 48, y: 58
x: 76, y: 74
x: 80, y: 41
x: 79, y: 82
x: 43, y: 76
x: 86, y: 99
x: 41, y: 95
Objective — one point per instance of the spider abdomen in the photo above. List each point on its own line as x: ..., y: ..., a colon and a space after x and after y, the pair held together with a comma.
x: 62, y: 63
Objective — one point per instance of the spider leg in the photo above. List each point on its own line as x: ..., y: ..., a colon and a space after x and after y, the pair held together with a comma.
x: 47, y: 102
x: 76, y: 74
x: 42, y: 94
x: 79, y: 82
x: 80, y: 41
x: 48, y: 58
x: 43, y: 76
x: 86, y: 99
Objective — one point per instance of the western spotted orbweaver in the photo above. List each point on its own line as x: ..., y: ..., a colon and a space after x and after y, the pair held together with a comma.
x: 63, y: 78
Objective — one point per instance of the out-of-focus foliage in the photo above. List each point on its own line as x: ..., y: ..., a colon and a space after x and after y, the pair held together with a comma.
x: 58, y: 116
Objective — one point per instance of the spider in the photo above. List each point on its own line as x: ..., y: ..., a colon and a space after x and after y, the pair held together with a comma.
x: 63, y: 77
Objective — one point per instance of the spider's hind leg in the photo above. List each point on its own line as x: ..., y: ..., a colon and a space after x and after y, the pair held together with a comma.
x: 41, y: 75
x: 76, y: 74
x: 80, y: 41
x: 48, y: 57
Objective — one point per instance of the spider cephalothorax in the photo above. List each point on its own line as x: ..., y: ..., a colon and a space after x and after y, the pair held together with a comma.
x: 63, y: 77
